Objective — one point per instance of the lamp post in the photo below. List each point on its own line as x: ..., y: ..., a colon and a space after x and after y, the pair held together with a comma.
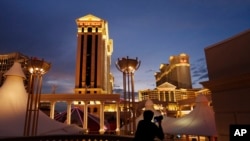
x: 37, y: 69
x: 128, y: 66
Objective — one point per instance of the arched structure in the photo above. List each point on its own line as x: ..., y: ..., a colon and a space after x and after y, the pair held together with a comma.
x: 70, y: 98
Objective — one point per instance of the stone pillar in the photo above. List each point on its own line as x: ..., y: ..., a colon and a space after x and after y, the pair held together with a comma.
x: 164, y: 95
x: 69, y: 112
x: 101, y: 131
x: 191, y: 107
x: 180, y: 111
x: 159, y: 95
x: 174, y: 95
x: 52, y: 109
x: 85, y: 117
x: 117, y: 118
x: 169, y: 95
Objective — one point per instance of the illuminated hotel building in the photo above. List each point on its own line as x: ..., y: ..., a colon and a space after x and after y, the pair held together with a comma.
x: 93, y: 61
x: 171, y: 101
x: 177, y: 72
x: 94, y: 50
x: 174, y: 87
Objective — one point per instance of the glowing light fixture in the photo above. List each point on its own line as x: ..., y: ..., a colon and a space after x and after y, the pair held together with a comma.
x: 37, y: 69
x: 128, y: 66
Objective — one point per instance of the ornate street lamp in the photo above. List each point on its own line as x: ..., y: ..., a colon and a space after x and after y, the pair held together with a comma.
x: 37, y: 69
x: 128, y: 67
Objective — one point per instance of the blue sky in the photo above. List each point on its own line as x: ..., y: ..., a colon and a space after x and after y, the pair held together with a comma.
x: 151, y: 30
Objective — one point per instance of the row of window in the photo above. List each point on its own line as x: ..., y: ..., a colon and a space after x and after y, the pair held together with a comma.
x: 88, y: 29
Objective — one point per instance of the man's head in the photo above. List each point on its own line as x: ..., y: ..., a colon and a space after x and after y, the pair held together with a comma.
x: 148, y: 115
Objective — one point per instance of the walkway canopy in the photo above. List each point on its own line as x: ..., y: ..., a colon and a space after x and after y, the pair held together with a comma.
x: 198, y: 122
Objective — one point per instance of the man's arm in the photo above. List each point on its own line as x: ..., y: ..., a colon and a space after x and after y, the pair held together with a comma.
x: 160, y: 133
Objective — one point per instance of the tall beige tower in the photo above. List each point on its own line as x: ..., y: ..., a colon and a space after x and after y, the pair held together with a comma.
x: 93, y: 59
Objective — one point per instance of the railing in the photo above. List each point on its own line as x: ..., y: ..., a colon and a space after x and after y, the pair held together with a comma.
x: 85, y: 137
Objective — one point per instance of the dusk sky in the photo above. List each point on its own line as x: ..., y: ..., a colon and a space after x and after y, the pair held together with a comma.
x: 151, y: 30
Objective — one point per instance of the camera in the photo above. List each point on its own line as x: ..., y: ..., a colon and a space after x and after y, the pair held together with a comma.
x: 158, y: 118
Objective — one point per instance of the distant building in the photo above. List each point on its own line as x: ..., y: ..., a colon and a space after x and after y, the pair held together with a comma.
x: 8, y: 59
x: 177, y: 72
x: 94, y: 50
x: 175, y: 102
x: 173, y: 90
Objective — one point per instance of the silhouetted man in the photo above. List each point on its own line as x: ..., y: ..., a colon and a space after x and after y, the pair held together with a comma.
x: 147, y: 130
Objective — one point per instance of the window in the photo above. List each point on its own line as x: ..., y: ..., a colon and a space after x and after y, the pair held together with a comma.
x: 95, y: 110
x: 89, y: 29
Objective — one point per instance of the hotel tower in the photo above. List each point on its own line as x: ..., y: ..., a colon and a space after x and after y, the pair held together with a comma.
x: 177, y: 72
x: 93, y: 59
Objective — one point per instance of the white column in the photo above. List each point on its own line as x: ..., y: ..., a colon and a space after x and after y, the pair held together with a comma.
x: 69, y: 112
x: 180, y: 109
x: 117, y: 118
x: 174, y: 96
x: 101, y: 131
x: 164, y: 95
x: 159, y: 95
x: 52, y: 109
x: 191, y: 107
x: 85, y: 117
x: 169, y: 95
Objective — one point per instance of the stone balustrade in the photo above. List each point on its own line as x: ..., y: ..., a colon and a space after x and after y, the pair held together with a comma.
x: 85, y: 137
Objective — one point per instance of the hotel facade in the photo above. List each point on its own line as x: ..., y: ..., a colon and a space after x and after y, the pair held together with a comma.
x: 177, y: 72
x: 174, y: 90
x: 93, y: 58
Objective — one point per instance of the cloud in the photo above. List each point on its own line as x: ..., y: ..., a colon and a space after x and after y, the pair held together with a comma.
x: 205, y: 76
x: 64, y: 82
x: 199, y: 71
x: 116, y: 86
x: 120, y: 91
x: 149, y: 71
